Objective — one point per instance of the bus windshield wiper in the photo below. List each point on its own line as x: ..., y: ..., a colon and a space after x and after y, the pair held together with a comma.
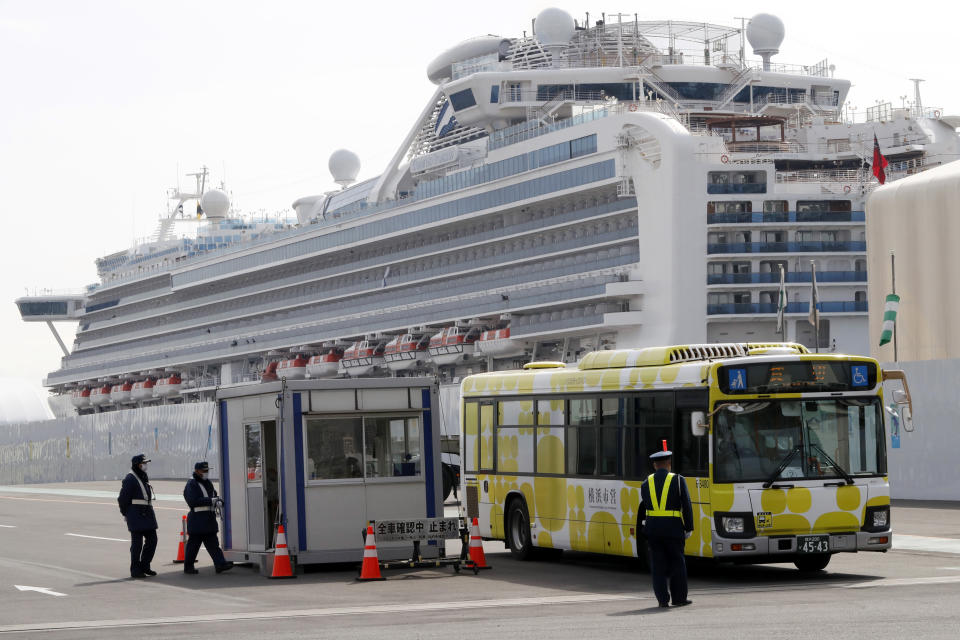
x: 830, y: 461
x: 783, y: 465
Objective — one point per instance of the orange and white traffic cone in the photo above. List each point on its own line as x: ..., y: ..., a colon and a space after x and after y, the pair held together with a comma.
x: 181, y: 556
x: 281, y: 557
x: 477, y: 559
x: 370, y: 570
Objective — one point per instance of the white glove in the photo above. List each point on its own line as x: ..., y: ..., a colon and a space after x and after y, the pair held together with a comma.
x: 687, y: 534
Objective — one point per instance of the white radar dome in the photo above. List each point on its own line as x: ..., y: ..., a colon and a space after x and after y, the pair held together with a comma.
x: 215, y: 203
x: 765, y: 33
x: 344, y: 166
x: 554, y: 27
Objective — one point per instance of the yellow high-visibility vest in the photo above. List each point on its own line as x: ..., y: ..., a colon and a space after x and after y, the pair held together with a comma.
x: 660, y: 502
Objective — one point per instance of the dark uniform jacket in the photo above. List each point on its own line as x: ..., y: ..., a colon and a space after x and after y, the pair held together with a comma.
x: 199, y: 494
x: 139, y: 517
x: 678, y: 499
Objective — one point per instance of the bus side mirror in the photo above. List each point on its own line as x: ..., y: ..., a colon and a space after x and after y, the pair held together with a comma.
x: 900, y: 396
x: 906, y: 417
x: 698, y: 423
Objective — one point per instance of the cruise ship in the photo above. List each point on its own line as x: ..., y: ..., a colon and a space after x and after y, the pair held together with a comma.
x: 600, y: 182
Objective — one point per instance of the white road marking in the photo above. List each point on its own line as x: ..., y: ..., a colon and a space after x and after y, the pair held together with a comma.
x: 83, y: 493
x: 319, y: 613
x: 925, y: 543
x: 109, y: 504
x: 8, y: 526
x: 904, y: 582
x: 80, y: 535
x: 45, y: 590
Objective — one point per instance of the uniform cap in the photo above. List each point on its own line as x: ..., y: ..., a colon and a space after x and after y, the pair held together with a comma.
x: 201, y: 466
x: 661, y: 455
x: 139, y: 459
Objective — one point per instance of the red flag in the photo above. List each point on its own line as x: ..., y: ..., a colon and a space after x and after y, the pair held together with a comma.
x: 879, y: 162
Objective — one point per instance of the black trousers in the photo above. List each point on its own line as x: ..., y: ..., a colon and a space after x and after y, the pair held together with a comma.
x: 143, y: 544
x: 210, y: 541
x: 667, y: 565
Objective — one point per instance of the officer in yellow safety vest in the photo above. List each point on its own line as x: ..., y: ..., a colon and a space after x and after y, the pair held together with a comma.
x: 667, y: 518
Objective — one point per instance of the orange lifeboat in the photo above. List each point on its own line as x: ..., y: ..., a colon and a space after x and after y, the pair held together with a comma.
x: 142, y: 390
x: 294, y: 368
x: 499, y: 344
x: 80, y: 398
x: 121, y: 392
x: 166, y: 387
x: 453, y: 344
x: 324, y: 365
x: 270, y: 373
x: 361, y: 357
x: 100, y: 395
x: 405, y: 351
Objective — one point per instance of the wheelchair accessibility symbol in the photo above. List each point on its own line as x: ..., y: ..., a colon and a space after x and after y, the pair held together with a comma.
x: 859, y: 375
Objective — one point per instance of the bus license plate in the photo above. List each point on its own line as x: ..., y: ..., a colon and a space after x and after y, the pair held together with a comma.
x: 813, y: 544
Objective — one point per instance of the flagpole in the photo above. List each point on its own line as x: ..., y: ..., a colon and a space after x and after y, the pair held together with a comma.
x: 893, y: 285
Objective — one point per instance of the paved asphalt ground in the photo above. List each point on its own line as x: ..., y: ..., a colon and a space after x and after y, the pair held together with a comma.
x: 70, y: 539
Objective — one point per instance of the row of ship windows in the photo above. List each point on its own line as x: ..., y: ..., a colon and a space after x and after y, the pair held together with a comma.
x: 766, y: 297
x: 565, y: 150
x: 779, y: 206
x: 533, y: 188
x: 519, y: 220
x: 802, y: 235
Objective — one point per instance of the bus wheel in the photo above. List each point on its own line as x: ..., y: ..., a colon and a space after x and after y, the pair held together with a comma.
x: 808, y: 564
x: 518, y: 531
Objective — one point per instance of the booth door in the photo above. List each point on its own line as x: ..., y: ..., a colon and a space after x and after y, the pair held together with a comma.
x: 263, y: 495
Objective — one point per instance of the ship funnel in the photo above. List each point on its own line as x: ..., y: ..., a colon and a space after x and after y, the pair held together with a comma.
x: 765, y: 34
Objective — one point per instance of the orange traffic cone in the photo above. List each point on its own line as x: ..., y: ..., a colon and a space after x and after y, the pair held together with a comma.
x: 477, y: 559
x: 281, y: 557
x: 183, y: 539
x: 370, y: 570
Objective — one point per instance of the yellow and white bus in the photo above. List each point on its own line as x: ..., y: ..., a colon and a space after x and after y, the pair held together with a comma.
x: 783, y: 450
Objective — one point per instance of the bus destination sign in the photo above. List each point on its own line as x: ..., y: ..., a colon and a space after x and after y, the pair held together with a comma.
x: 797, y: 376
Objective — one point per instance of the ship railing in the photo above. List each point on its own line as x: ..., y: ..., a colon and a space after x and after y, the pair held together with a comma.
x: 541, y: 96
x: 766, y: 146
x: 824, y: 175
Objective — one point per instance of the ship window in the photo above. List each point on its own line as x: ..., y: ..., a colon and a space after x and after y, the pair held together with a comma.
x: 462, y: 100
x: 775, y: 206
x: 495, y: 94
x: 729, y: 206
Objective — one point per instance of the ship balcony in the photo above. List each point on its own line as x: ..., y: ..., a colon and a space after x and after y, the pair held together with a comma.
x: 858, y: 246
x: 786, y: 217
x: 758, y: 308
x: 792, y: 277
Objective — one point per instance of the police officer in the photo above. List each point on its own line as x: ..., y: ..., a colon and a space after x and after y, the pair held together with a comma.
x: 136, y: 506
x: 202, y: 526
x: 667, y: 521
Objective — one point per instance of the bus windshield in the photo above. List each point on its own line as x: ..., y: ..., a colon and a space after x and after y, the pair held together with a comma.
x: 811, y: 439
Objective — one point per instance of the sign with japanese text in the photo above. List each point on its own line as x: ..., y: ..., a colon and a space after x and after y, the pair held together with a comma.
x: 418, y: 529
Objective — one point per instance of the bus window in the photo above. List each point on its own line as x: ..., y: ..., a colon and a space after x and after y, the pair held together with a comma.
x: 515, y: 412
x: 583, y: 411
x: 608, y: 453
x: 638, y: 444
x: 514, y: 450
x: 486, y: 436
x: 550, y: 412
x: 694, y: 451
x: 610, y: 411
x: 581, y: 450
x: 550, y: 444
x: 471, y: 431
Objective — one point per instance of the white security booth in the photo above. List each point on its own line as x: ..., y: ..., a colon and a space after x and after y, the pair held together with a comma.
x: 325, y: 457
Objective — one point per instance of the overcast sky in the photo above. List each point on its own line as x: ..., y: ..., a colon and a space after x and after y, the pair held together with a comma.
x: 104, y: 101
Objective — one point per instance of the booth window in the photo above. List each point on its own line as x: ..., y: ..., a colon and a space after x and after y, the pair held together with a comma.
x: 334, y: 448
x: 363, y: 447
x: 254, y: 457
x: 392, y: 447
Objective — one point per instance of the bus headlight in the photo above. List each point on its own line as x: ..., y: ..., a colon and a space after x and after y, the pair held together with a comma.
x: 732, y: 524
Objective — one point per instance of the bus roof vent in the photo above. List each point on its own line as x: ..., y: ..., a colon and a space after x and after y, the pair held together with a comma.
x: 659, y: 356
x: 771, y: 348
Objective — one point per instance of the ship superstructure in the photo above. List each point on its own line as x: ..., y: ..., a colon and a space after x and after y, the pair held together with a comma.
x: 611, y: 182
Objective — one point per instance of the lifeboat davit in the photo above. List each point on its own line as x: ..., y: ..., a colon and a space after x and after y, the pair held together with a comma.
x: 293, y: 369
x: 324, y: 365
x: 80, y: 398
x: 166, y: 387
x: 452, y: 344
x: 100, y: 395
x: 142, y: 390
x: 499, y: 344
x: 361, y: 357
x: 121, y: 392
x: 405, y: 352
